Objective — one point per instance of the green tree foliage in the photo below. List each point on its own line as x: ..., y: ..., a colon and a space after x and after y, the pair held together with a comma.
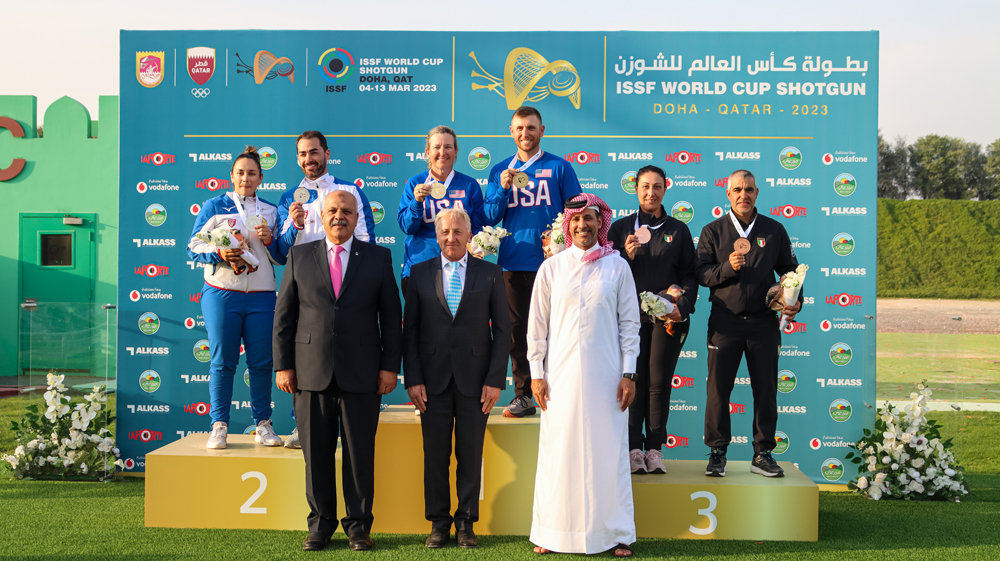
x: 945, y: 167
x: 990, y: 189
x: 938, y: 249
x: 893, y: 168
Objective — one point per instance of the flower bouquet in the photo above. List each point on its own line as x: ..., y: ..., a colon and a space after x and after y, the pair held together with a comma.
x: 791, y: 286
x: 488, y: 240
x: 658, y: 306
x: 554, y: 239
x: 64, y: 442
x: 905, y: 458
x: 224, y: 238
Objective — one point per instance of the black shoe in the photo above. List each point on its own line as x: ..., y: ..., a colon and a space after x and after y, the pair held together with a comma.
x: 716, y: 463
x: 467, y: 539
x: 315, y: 542
x: 765, y: 465
x: 438, y: 538
x: 360, y: 542
x: 520, y: 406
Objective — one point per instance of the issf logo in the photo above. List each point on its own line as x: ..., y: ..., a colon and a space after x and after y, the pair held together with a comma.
x: 683, y: 211
x: 840, y: 410
x: 840, y: 354
x: 786, y: 381
x: 845, y: 185
x: 781, y: 442
x: 790, y: 157
x: 336, y: 65
x: 843, y: 244
x: 832, y: 469
x: 479, y: 158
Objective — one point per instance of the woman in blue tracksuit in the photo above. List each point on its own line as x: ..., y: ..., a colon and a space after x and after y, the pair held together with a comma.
x: 418, y: 206
x: 238, y: 299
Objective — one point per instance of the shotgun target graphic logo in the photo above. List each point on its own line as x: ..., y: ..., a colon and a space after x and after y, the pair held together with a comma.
x: 526, y: 79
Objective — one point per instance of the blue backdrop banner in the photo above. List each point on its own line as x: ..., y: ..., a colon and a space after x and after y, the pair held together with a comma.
x: 799, y: 110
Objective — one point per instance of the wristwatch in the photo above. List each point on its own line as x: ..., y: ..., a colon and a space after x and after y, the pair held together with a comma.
x: 630, y: 375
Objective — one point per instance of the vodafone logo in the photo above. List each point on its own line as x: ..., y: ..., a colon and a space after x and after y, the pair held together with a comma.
x: 717, y: 212
x: 141, y: 187
x: 375, y: 158
x: 828, y: 158
x: 360, y: 183
x: 189, y: 323
x: 242, y: 350
x: 668, y: 183
x: 134, y: 296
x: 825, y: 325
x: 815, y: 443
x: 129, y: 463
x: 195, y: 209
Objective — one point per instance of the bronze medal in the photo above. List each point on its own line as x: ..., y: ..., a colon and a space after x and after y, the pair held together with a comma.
x: 644, y: 235
x: 742, y: 245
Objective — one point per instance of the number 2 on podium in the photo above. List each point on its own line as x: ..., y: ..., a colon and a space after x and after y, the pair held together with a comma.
x: 248, y: 507
x: 713, y: 522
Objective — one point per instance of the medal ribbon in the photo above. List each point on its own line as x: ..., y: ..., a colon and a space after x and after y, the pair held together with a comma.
x: 736, y: 224
x: 657, y: 227
x: 526, y: 164
x: 431, y: 180
x: 242, y: 212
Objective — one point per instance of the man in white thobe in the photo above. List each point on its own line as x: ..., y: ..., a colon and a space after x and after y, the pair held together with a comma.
x: 583, y: 340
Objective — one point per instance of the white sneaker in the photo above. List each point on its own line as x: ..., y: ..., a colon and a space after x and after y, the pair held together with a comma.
x: 217, y: 440
x: 654, y: 462
x: 293, y: 440
x: 265, y: 434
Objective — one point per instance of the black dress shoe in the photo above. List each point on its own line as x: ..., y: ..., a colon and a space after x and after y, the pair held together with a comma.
x: 361, y: 542
x: 467, y: 538
x: 438, y: 538
x: 315, y: 542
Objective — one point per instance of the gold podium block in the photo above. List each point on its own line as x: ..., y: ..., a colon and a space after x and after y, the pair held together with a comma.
x: 252, y: 486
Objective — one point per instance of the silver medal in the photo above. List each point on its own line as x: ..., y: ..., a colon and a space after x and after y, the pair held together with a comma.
x: 301, y: 195
x: 253, y: 222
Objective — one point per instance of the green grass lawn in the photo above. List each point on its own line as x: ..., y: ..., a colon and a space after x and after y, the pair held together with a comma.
x: 56, y: 520
x: 958, y: 367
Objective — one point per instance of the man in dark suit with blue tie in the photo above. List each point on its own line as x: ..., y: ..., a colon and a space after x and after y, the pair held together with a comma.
x: 337, y: 344
x: 456, y: 340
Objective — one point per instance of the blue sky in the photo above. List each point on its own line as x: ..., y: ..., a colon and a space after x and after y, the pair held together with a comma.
x: 940, y: 61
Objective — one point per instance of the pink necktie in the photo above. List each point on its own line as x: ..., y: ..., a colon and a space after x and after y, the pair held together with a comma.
x: 335, y: 270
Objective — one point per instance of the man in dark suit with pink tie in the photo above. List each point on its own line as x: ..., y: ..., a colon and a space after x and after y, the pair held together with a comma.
x: 337, y: 344
x: 456, y: 341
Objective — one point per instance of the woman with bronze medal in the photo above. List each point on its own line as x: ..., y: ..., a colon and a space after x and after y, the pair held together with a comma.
x: 661, y: 254
x: 232, y: 237
x: 429, y: 192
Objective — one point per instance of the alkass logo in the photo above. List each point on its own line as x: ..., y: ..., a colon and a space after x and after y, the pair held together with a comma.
x: 152, y: 270
x: 212, y: 184
x: 196, y: 297
x: 737, y: 408
x: 158, y: 159
x: 794, y: 327
x: 682, y: 382
x: 788, y: 211
x: 200, y: 408
x: 145, y: 435
x: 676, y: 441
x: 683, y: 157
x: 375, y: 158
x: 844, y: 299
x: 583, y: 158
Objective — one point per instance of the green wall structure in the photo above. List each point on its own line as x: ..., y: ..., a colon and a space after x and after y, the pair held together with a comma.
x: 70, y: 170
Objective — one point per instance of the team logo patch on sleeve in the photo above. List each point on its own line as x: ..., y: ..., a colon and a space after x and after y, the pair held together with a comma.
x: 761, y: 242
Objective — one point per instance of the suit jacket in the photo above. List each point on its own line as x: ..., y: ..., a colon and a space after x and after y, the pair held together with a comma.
x: 351, y: 337
x: 472, y: 346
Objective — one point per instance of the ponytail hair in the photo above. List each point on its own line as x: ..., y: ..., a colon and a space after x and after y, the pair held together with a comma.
x: 249, y: 153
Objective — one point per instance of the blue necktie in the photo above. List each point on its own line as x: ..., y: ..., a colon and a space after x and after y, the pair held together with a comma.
x: 454, y: 292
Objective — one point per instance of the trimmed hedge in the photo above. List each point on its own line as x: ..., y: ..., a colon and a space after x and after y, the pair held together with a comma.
x: 938, y: 249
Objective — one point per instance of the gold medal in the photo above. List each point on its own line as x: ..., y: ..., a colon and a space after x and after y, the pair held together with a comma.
x: 521, y: 180
x: 438, y: 190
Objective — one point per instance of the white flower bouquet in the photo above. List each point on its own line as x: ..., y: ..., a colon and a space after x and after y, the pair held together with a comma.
x: 655, y: 306
x: 224, y: 238
x: 791, y: 286
x: 905, y: 458
x: 64, y: 442
x: 488, y: 240
x: 554, y: 239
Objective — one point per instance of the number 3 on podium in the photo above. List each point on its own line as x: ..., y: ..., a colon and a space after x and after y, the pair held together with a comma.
x: 713, y: 522
x: 248, y: 507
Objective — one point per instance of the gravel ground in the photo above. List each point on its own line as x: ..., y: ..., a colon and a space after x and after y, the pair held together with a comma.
x: 935, y: 316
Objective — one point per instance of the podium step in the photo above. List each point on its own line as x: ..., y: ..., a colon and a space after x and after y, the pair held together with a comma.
x: 251, y: 486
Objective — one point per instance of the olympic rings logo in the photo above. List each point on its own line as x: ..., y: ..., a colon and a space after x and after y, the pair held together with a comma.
x: 200, y: 92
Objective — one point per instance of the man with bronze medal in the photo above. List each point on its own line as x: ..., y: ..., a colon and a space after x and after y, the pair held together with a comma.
x: 740, y: 257
x: 660, y: 252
